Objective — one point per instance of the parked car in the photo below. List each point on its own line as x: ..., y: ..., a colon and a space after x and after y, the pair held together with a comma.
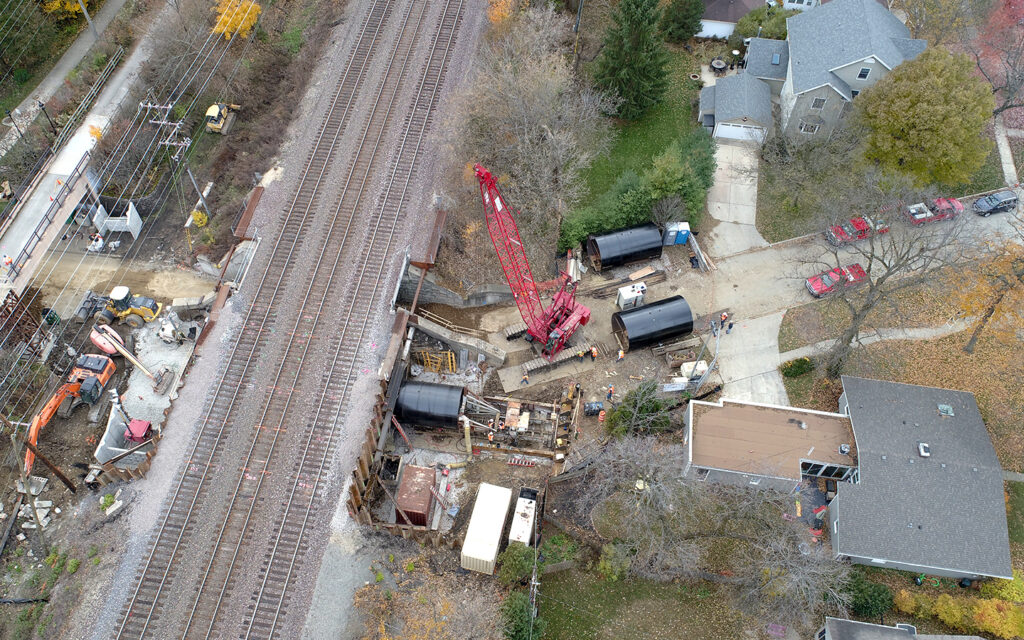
x: 995, y: 202
x: 855, y: 229
x: 825, y: 283
x: 933, y: 211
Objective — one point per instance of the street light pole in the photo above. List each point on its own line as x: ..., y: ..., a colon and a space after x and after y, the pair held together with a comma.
x: 15, y: 123
x: 88, y: 19
x: 43, y: 107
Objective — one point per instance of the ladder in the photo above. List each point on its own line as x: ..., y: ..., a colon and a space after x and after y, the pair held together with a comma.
x: 520, y: 461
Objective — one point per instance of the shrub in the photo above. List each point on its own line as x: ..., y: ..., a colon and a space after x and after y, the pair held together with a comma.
x: 614, y: 562
x: 681, y: 20
x: 516, y: 613
x: 869, y: 599
x: 771, y: 20
x: 797, y: 368
x: 73, y: 565
x: 952, y: 612
x: 1011, y: 590
x: 516, y: 563
x: 559, y: 548
x: 106, y: 501
x: 998, y: 617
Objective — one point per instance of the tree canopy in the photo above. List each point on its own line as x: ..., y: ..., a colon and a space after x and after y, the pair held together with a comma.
x: 999, y: 51
x: 927, y: 117
x: 937, y: 21
x: 769, y: 21
x: 633, y: 60
x: 236, y: 17
x: 682, y: 20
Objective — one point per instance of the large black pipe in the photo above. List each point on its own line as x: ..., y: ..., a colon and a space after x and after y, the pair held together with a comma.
x: 654, y: 322
x: 427, y: 404
x: 625, y: 246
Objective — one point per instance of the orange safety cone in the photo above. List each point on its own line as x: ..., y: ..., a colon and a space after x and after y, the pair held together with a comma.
x: 600, y: 416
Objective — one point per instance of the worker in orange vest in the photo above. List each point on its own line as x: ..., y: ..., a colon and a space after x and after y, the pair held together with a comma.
x: 490, y: 437
x: 611, y: 390
x: 622, y: 354
x: 593, y: 353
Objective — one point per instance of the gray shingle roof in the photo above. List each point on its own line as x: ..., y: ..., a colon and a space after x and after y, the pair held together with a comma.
x: 707, y: 99
x: 840, y: 33
x: 839, y: 629
x: 945, y: 511
x: 742, y: 96
x: 729, y: 10
x: 759, y: 58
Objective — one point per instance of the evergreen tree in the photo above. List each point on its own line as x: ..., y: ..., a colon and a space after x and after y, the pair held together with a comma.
x: 633, y: 61
x: 682, y: 20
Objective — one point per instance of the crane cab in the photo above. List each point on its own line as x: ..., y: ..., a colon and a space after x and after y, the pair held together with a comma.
x: 92, y: 372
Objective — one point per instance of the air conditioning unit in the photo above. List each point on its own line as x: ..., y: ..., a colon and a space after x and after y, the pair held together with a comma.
x: 924, y: 449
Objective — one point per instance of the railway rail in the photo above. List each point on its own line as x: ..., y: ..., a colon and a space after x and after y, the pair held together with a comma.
x: 284, y: 436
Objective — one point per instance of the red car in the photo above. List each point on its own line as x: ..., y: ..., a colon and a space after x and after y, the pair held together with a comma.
x: 940, y: 209
x: 855, y: 229
x: 825, y: 283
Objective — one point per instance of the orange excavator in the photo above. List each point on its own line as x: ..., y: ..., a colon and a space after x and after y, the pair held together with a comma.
x: 84, y: 386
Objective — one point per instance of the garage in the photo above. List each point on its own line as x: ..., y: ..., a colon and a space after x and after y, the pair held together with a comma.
x: 736, y: 107
x: 740, y: 132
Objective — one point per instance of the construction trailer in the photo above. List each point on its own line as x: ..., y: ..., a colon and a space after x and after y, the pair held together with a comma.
x: 483, y: 538
x: 524, y: 517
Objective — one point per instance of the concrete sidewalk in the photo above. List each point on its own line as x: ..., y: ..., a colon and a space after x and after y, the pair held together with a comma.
x: 914, y: 333
x: 1005, y: 153
x: 29, y: 107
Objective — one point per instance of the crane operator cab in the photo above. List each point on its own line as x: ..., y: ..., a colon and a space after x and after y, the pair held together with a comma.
x: 92, y: 372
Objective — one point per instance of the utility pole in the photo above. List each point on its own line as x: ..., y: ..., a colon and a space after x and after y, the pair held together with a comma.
x: 88, y: 19
x: 202, y: 198
x: 576, y: 30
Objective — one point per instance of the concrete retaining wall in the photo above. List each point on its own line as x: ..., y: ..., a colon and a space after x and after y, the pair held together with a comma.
x: 433, y: 293
x: 494, y: 355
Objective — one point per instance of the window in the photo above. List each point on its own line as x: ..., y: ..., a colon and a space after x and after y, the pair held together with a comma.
x: 864, y: 73
x: 877, y: 561
x: 855, y: 92
x: 702, y: 475
x: 808, y: 128
x: 821, y: 634
x: 776, y: 59
x: 818, y: 103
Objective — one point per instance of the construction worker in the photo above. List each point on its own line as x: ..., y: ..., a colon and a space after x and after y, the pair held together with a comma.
x: 501, y: 425
x: 622, y: 354
x: 611, y: 390
x: 581, y: 355
x: 490, y: 437
x: 526, y: 378
x: 725, y: 316
x: 490, y: 424
x: 593, y: 353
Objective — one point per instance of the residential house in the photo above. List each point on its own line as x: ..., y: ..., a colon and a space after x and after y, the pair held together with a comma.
x: 720, y: 16
x: 912, y: 480
x: 830, y: 55
x: 839, y: 629
x: 738, y: 107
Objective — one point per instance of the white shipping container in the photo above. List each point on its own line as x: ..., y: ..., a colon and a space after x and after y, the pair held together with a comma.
x: 522, y: 521
x: 483, y: 537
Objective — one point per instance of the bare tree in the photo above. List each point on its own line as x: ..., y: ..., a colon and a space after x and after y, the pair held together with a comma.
x: 527, y: 117
x: 998, y: 49
x: 674, y: 526
x: 896, y: 255
x: 640, y: 412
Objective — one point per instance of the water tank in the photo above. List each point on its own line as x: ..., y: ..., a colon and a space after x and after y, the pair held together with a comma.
x: 625, y: 246
x: 654, y: 322
x: 427, y: 404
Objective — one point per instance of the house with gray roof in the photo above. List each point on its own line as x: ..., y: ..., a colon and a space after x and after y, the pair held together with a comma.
x: 839, y: 629
x: 835, y: 52
x: 768, y: 61
x: 911, y: 480
x: 738, y: 107
x: 930, y: 493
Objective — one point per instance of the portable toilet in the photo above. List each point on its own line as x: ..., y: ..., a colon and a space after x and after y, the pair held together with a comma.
x: 676, y: 233
x: 631, y: 296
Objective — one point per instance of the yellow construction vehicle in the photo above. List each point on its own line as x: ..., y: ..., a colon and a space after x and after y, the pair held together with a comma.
x: 220, y: 117
x: 119, y: 305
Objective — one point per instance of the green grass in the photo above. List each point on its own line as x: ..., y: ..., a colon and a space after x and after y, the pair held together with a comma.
x: 639, y: 141
x: 579, y: 605
x: 1015, y: 511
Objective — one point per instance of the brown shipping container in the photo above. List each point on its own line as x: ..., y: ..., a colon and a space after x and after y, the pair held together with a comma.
x: 414, y: 494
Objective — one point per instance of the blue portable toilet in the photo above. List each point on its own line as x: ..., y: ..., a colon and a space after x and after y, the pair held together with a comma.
x: 676, y: 233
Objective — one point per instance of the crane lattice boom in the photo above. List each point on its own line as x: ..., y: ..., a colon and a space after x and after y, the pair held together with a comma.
x: 552, y: 326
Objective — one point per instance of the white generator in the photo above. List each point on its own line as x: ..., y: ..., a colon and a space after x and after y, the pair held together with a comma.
x: 631, y: 296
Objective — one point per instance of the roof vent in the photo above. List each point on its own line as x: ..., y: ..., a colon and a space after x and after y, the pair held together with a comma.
x: 776, y: 58
x: 844, y: 449
x: 924, y: 449
x: 945, y: 410
x: 884, y: 457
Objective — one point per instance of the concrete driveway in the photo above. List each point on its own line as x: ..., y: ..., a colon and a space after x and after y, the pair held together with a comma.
x: 732, y: 200
x: 748, y: 357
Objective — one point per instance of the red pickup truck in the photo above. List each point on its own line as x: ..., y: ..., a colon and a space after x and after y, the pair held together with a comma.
x: 825, y: 283
x: 855, y: 229
x: 939, y: 209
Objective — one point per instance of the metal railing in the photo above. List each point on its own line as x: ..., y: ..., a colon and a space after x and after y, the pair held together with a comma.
x: 51, y: 212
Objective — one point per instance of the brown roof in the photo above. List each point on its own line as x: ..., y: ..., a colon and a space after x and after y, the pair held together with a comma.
x: 729, y: 10
x: 767, y: 441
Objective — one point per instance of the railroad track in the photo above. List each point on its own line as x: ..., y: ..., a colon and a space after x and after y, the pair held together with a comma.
x: 271, y: 442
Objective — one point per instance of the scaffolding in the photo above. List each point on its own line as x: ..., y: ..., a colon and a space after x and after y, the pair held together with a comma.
x: 437, y: 361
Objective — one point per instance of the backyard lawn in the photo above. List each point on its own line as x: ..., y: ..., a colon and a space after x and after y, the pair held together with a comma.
x: 579, y: 605
x: 638, y: 142
x: 1015, y: 511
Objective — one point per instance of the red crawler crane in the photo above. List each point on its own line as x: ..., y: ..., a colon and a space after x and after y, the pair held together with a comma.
x: 553, y: 326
